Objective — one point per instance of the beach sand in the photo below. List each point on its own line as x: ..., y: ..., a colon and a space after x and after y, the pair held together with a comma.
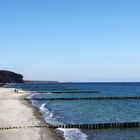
x: 16, y: 112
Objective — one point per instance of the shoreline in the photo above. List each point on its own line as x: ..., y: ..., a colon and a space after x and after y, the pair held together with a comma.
x: 16, y: 112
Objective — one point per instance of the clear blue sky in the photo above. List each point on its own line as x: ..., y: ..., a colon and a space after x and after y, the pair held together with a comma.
x: 71, y: 40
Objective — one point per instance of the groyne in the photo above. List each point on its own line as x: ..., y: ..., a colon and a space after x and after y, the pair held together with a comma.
x: 88, y: 98
x: 82, y: 126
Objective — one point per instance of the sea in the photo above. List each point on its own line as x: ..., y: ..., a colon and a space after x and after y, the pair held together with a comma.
x: 87, y: 111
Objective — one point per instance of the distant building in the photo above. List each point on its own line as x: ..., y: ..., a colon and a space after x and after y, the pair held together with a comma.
x: 10, y: 77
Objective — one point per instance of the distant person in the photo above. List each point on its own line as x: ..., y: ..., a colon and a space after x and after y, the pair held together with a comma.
x: 15, y: 90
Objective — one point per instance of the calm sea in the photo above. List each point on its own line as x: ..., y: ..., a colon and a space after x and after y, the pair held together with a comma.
x: 88, y: 111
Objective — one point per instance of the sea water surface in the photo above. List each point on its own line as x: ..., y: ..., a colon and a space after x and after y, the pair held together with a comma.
x: 88, y: 111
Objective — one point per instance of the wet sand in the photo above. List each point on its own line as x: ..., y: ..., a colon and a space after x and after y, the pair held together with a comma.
x: 16, y: 112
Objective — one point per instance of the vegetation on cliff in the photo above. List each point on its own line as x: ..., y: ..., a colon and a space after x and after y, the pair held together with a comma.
x: 10, y: 77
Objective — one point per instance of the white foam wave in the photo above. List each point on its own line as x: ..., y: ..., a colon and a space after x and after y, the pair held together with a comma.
x: 48, y: 115
x: 30, y: 96
x: 46, y: 112
x: 73, y: 134
x: 42, y: 108
x: 69, y: 134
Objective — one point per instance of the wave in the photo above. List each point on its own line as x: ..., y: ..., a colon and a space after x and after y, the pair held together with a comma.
x: 31, y: 95
x: 73, y: 134
x: 69, y: 134
x: 42, y: 107
x: 48, y: 115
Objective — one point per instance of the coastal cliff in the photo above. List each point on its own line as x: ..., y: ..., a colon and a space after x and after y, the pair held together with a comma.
x: 10, y: 77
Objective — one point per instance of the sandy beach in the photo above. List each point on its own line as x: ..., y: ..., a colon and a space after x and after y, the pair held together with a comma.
x: 15, y: 112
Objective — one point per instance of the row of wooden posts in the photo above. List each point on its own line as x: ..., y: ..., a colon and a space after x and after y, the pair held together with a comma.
x: 88, y: 98
x: 82, y: 126
x: 98, y: 126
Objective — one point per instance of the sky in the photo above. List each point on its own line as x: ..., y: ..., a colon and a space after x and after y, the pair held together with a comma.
x: 71, y: 40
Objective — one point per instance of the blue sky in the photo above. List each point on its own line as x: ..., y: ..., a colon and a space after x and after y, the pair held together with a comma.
x: 71, y: 40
